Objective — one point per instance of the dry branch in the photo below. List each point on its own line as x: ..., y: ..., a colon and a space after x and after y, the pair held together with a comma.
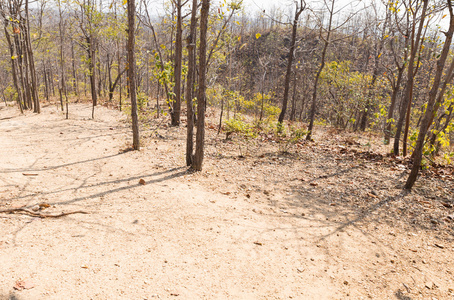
x: 39, y: 214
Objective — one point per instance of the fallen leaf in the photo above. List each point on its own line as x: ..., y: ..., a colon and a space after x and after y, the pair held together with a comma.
x: 314, y: 183
x: 24, y: 285
x: 44, y: 205
x: 142, y: 182
x: 258, y: 243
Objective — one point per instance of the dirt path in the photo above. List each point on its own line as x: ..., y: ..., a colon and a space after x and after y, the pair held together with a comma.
x: 178, y: 238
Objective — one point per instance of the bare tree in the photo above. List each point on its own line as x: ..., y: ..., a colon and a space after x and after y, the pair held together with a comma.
x: 176, y: 107
x: 415, y: 43
x: 132, y: 74
x: 433, y: 100
x: 201, y: 99
x: 326, y: 41
x: 299, y: 8
x: 191, y: 46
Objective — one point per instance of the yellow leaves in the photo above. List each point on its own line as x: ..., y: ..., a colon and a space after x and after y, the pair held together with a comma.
x: 242, y: 46
x: 13, y: 57
x: 125, y: 2
x: 444, y: 16
x: 379, y: 55
x: 258, y: 35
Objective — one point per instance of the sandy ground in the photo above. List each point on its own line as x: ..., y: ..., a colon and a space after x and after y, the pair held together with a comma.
x: 266, y: 226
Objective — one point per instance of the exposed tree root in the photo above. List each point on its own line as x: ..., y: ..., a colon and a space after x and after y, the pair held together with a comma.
x: 39, y: 214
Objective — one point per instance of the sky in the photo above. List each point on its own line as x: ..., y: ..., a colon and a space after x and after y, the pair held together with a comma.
x: 254, y: 4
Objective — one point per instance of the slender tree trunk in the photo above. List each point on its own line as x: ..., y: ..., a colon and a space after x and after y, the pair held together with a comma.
x: 13, y: 69
x: 191, y: 40
x: 176, y: 107
x: 34, y: 85
x: 158, y: 95
x: 407, y: 100
x: 392, y: 106
x: 46, y: 83
x: 293, y: 110
x: 299, y: 9
x: 92, y: 67
x: 73, y: 63
x: 430, y: 112
x: 201, y: 99
x: 428, y: 116
x: 131, y: 73
x: 62, y: 62
x: 310, y: 128
x: 314, y: 92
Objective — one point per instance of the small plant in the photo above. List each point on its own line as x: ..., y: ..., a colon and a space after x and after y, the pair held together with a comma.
x: 142, y: 100
x: 288, y: 137
x: 238, y: 126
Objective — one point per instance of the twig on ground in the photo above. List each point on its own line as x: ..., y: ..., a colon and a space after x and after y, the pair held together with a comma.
x: 39, y: 214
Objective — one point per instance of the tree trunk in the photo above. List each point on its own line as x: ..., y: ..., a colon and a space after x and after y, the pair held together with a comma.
x: 176, y: 107
x: 34, y: 85
x: 191, y: 40
x: 407, y: 100
x: 131, y: 74
x: 293, y: 110
x: 62, y: 63
x: 298, y: 11
x: 14, y: 70
x: 430, y: 112
x: 200, y: 136
x: 73, y: 63
x: 310, y: 128
x: 392, y: 106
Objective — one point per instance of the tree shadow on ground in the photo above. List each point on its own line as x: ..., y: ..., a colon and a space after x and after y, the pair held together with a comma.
x: 11, y: 296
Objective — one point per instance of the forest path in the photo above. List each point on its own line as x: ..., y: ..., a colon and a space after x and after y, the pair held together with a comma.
x: 171, y: 238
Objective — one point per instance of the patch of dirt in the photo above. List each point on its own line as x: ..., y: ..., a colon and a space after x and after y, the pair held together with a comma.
x: 329, y: 220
